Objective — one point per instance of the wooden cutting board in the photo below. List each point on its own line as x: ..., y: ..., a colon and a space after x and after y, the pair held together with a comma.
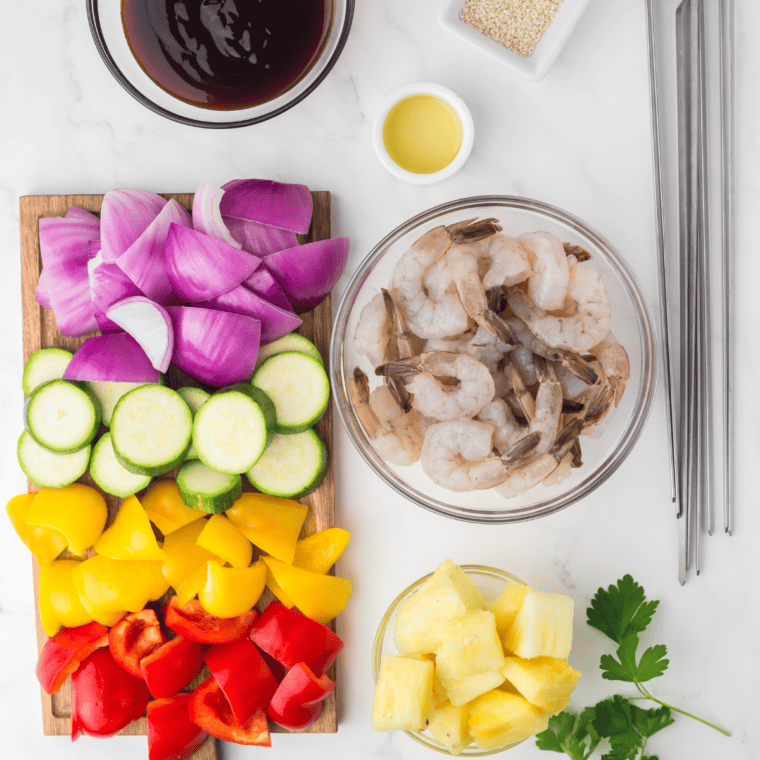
x: 41, y: 331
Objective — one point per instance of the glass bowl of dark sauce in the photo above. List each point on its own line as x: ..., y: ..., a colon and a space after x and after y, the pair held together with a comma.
x: 220, y: 63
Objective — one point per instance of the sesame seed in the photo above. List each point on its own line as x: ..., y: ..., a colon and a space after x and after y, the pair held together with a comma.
x: 516, y: 24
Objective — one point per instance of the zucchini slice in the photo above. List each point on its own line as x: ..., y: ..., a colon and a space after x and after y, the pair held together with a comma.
x: 109, y: 393
x: 44, y: 365
x: 298, y: 386
x: 261, y: 398
x: 206, y: 489
x: 230, y: 432
x: 62, y: 416
x: 47, y: 469
x: 290, y: 342
x: 150, y: 429
x: 107, y: 471
x: 292, y: 465
x: 195, y: 398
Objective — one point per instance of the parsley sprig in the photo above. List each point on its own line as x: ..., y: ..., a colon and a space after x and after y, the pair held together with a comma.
x: 621, y: 613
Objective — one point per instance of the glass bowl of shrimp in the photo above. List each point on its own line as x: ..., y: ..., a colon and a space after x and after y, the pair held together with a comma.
x: 493, y: 359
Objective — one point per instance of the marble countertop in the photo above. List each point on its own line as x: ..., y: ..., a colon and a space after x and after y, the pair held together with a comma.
x: 581, y: 140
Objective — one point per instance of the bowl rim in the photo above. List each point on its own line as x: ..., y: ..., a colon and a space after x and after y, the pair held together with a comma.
x: 93, y: 17
x: 449, y: 97
x: 648, y: 375
x: 419, y: 736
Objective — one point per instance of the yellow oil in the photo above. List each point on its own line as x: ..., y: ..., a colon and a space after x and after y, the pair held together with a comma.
x: 422, y: 134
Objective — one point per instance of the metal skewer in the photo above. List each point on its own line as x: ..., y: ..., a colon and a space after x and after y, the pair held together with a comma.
x: 659, y: 215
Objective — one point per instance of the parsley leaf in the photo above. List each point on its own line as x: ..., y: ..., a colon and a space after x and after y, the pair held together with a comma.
x: 560, y: 728
x: 649, y: 722
x: 567, y: 733
x: 621, y: 609
x: 652, y: 663
x: 623, y: 669
x: 623, y: 747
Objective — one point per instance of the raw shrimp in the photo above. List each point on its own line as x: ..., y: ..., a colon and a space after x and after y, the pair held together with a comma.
x: 438, y: 280
x: 457, y: 455
x: 431, y: 397
x: 572, y: 386
x: 485, y: 348
x: 506, y: 430
x: 402, y: 444
x: 544, y: 413
x: 509, y: 262
x: 428, y: 318
x: 547, y: 285
x: 537, y: 468
x: 373, y: 331
x: 613, y: 359
x: 579, y: 332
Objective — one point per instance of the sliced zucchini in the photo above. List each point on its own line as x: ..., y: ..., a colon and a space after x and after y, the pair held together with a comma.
x: 107, y: 471
x: 44, y: 365
x: 47, y: 469
x: 292, y: 465
x: 62, y: 416
x: 299, y: 388
x: 195, y: 398
x: 109, y: 393
x: 261, y: 398
x: 290, y: 342
x: 151, y: 429
x: 206, y: 489
x: 230, y: 432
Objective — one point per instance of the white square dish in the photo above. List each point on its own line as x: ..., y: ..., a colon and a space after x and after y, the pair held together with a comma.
x: 534, y: 66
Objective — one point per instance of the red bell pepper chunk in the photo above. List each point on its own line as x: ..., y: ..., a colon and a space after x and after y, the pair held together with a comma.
x: 171, y: 666
x: 298, y: 700
x: 134, y: 637
x: 171, y: 733
x: 194, y: 623
x: 243, y: 676
x: 291, y: 637
x: 210, y: 710
x: 104, y: 697
x: 64, y: 652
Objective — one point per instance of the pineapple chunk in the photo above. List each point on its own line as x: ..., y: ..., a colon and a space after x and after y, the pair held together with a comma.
x: 505, y: 606
x: 447, y: 595
x: 403, y: 694
x: 468, y: 646
x: 543, y: 626
x: 544, y: 681
x: 465, y: 690
x: 439, y: 695
x: 448, y: 725
x: 498, y: 718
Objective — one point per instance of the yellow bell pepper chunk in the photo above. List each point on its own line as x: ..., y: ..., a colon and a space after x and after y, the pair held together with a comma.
x: 108, y: 585
x: 221, y: 537
x: 318, y: 553
x: 45, y: 543
x: 77, y: 511
x: 320, y: 597
x: 165, y: 508
x: 129, y: 536
x: 192, y: 585
x: 183, y: 555
x: 277, y: 590
x: 60, y: 604
x: 271, y: 523
x: 231, y: 591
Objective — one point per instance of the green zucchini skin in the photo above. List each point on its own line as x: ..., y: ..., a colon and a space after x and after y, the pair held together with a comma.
x: 110, y: 475
x: 211, y: 498
x: 45, y: 468
x: 43, y: 365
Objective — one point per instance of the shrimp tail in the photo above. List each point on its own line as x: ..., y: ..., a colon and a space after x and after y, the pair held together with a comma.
x: 494, y: 325
x: 473, y: 231
x: 522, y: 448
x: 581, y: 254
x: 400, y: 367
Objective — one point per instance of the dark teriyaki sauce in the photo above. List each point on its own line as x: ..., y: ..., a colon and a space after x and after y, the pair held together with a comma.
x: 226, y: 54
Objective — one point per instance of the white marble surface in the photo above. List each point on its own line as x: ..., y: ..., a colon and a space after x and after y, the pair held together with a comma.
x: 581, y: 140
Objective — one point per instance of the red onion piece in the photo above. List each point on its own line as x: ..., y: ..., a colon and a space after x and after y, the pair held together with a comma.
x: 109, y: 285
x: 111, y: 358
x: 200, y: 267
x: 216, y: 347
x: 261, y: 200
x: 149, y: 324
x: 144, y: 261
x: 260, y: 239
x: 275, y: 322
x: 41, y: 295
x: 124, y: 216
x: 206, y: 215
x: 309, y: 272
x: 263, y: 284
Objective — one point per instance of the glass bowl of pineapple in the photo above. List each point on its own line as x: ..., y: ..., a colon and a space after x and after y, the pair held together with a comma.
x: 470, y: 661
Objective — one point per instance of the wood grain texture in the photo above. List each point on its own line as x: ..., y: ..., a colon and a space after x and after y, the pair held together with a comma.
x: 41, y: 331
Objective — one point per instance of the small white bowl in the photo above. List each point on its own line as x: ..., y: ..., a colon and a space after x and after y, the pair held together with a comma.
x: 539, y: 62
x: 465, y: 117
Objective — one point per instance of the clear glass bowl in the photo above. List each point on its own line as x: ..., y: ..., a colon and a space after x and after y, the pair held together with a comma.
x: 631, y: 323
x: 108, y: 33
x: 490, y: 583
